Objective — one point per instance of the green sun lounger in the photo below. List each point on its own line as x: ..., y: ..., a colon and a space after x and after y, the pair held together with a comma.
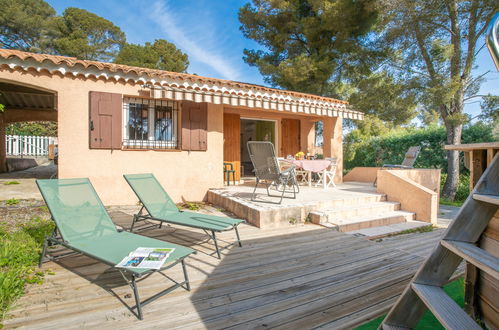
x: 84, y: 226
x: 159, y: 206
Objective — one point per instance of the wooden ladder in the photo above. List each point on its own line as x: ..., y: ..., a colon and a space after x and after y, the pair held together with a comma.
x: 458, y: 243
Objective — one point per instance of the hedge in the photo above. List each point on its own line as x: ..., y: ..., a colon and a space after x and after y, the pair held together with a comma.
x: 391, y: 148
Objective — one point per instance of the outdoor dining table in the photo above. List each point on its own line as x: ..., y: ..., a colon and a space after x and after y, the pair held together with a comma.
x: 315, y: 165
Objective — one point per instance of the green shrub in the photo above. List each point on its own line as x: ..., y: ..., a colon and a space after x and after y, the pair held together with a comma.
x: 19, y: 254
x: 12, y: 201
x: 193, y: 206
x: 463, y: 189
x: 391, y: 147
x: 11, y: 183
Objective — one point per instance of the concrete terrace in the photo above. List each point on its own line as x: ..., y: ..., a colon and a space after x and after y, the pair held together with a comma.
x: 301, y: 276
x: 265, y: 213
x: 349, y: 207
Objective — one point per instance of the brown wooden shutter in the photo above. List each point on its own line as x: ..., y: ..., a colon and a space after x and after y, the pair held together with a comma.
x: 194, y: 126
x: 105, y: 120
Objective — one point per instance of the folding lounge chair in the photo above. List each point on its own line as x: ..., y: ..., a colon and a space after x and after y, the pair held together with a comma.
x: 84, y: 226
x: 159, y: 206
x: 268, y: 172
x: 408, y: 162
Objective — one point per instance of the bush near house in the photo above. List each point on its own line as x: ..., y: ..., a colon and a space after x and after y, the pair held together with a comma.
x: 22, y: 231
x: 391, y: 147
x: 463, y: 189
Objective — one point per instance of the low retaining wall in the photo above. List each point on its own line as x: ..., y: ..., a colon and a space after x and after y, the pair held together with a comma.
x: 417, y: 190
x: 412, y: 196
x: 362, y: 174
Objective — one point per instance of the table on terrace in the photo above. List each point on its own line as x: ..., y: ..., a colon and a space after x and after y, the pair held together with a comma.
x: 315, y: 166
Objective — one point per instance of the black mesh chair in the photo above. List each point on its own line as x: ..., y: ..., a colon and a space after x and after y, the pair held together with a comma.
x: 268, y: 172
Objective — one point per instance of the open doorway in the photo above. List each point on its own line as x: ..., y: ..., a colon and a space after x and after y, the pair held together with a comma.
x: 255, y: 130
x: 28, y: 131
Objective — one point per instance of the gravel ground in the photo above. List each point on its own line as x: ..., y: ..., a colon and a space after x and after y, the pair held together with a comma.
x: 20, y: 213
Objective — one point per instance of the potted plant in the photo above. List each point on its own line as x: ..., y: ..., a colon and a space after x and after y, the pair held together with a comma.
x: 299, y: 155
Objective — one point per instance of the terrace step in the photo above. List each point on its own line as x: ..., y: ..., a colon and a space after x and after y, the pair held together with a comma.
x: 369, y: 221
x: 393, y: 229
x: 359, y: 213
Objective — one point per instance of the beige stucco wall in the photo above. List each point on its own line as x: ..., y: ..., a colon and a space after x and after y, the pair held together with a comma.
x: 333, y: 143
x: 362, y: 174
x: 184, y: 174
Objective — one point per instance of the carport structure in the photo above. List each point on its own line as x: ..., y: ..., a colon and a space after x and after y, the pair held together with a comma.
x: 23, y: 103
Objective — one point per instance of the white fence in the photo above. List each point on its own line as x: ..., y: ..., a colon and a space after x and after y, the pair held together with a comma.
x: 19, y: 145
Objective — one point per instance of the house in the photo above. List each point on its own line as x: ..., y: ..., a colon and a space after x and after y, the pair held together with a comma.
x: 115, y: 119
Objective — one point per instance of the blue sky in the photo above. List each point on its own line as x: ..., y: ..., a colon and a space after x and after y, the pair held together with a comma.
x: 208, y: 31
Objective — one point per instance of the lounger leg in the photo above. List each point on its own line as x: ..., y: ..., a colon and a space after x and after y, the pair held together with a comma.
x: 137, y: 299
x: 133, y: 223
x: 254, y: 190
x: 44, y: 250
x: 187, y: 284
x: 283, y: 191
x: 216, y: 244
x: 238, y: 239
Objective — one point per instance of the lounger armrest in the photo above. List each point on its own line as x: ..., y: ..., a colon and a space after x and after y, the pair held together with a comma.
x: 289, y: 169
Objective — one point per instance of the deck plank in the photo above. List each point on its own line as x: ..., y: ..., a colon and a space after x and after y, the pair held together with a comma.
x: 301, y: 276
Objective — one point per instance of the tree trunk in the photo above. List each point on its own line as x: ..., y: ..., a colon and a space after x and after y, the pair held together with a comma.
x: 453, y: 137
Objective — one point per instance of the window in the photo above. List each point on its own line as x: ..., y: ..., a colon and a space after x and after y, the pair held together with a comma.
x: 150, y: 124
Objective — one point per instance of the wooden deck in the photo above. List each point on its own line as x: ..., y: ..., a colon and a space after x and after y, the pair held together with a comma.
x: 299, y: 277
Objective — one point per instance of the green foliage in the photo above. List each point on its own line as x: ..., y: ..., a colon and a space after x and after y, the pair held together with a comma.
x: 424, y: 229
x: 41, y: 128
x: 368, y: 149
x: 444, y: 201
x: 84, y: 35
x: 25, y: 24
x: 32, y: 25
x: 19, y: 253
x: 2, y: 107
x: 12, y: 201
x: 490, y: 108
x: 463, y: 190
x: 454, y: 289
x: 161, y: 55
x: 379, y: 94
x: 8, y: 183
x: 307, y: 44
x: 432, y: 46
x: 193, y: 206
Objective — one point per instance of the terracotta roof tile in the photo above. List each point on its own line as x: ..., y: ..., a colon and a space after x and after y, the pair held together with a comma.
x: 112, y: 67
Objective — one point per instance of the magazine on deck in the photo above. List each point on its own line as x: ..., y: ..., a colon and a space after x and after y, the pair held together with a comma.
x: 152, y: 258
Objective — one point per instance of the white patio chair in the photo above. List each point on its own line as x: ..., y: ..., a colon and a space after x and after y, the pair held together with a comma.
x: 301, y: 176
x: 328, y: 174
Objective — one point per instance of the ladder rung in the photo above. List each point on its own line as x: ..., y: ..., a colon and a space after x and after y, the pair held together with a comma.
x: 475, y: 255
x: 491, y: 199
x: 443, y: 307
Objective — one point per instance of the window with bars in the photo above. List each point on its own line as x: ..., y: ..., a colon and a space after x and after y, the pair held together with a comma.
x: 150, y: 124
